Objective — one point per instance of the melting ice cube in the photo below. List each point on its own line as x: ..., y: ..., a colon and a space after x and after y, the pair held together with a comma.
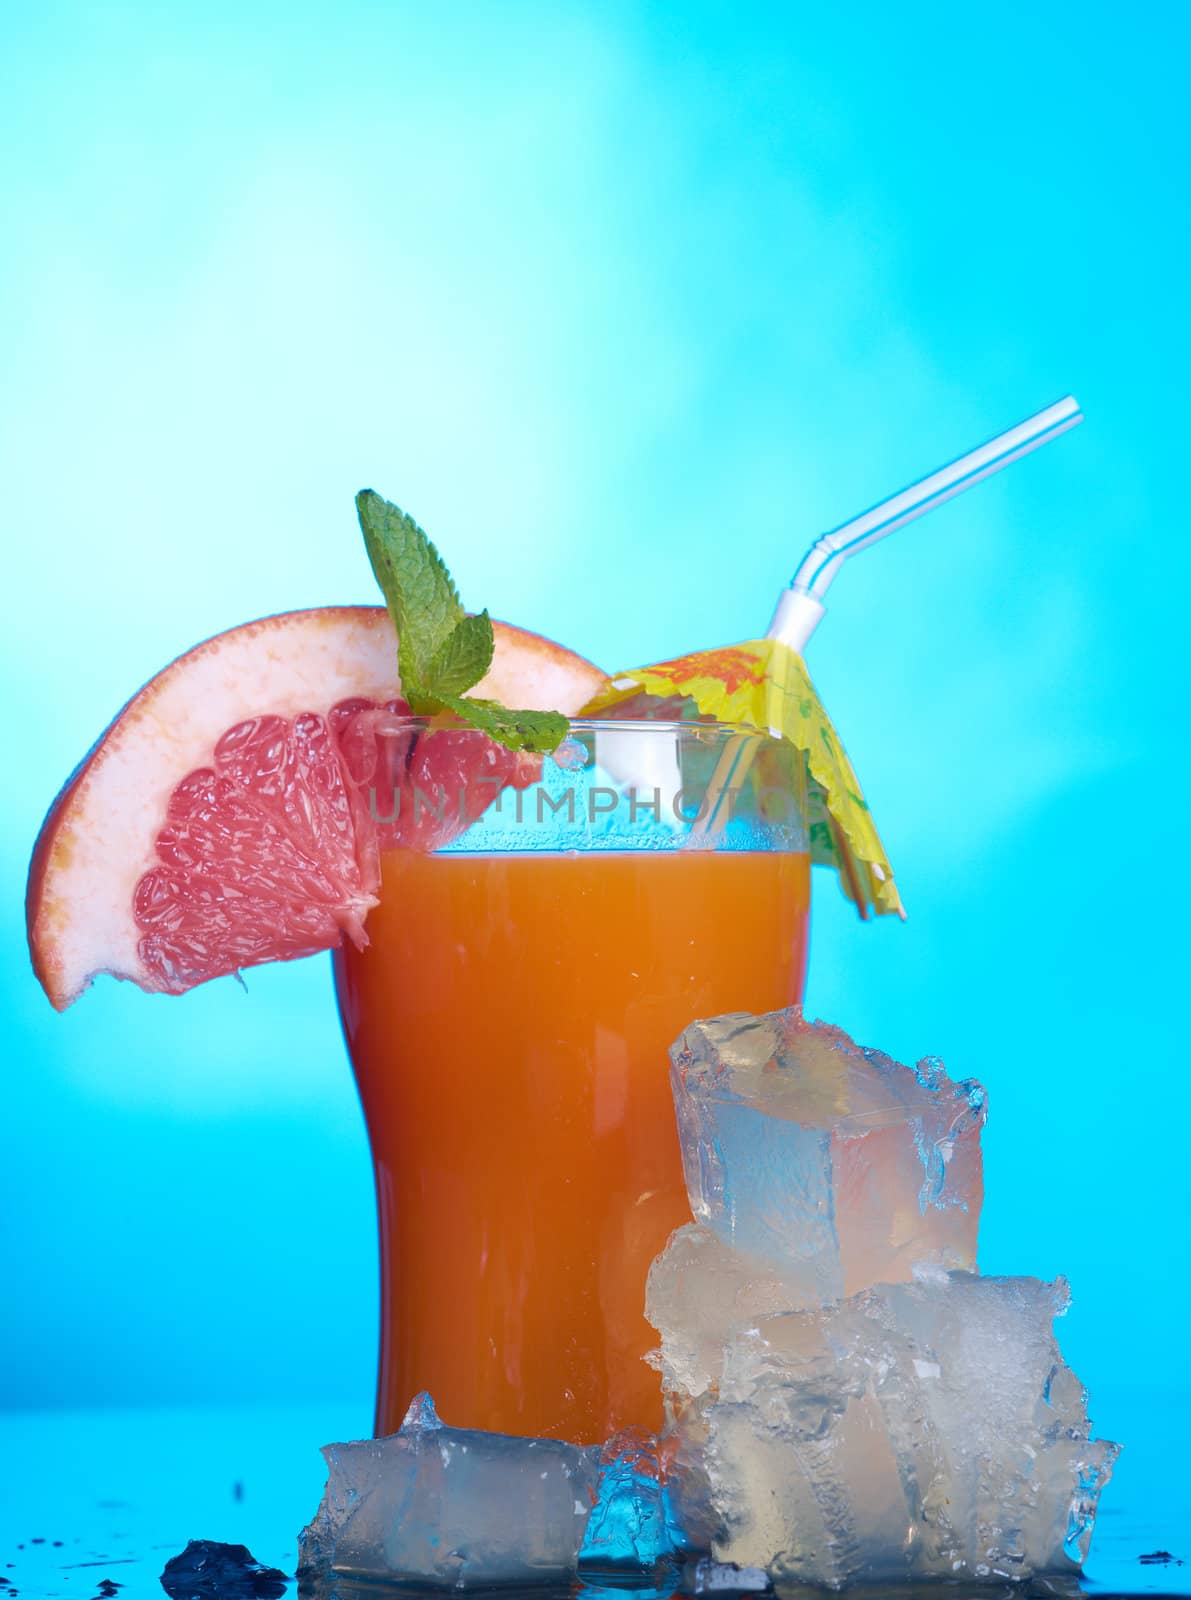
x: 455, y: 1508
x: 451, y: 1507
x: 920, y: 1430
x: 832, y: 1163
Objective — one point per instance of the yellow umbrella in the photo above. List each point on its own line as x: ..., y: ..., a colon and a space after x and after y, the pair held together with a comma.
x: 763, y: 683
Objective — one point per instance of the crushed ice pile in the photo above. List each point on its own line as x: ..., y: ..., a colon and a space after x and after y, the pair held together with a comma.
x: 848, y: 1401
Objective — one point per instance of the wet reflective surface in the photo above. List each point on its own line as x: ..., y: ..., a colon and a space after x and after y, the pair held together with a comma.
x: 93, y: 1505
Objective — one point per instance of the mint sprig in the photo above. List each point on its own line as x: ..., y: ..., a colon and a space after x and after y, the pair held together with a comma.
x: 423, y: 601
x: 441, y: 650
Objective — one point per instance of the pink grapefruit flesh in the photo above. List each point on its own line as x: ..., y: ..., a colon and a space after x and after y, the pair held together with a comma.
x: 221, y: 820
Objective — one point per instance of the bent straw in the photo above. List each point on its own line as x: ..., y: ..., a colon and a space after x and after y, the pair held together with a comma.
x: 800, y: 607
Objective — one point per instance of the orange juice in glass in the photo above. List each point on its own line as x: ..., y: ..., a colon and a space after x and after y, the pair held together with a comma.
x: 509, y: 1024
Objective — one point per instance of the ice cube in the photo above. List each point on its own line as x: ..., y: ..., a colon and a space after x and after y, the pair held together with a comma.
x: 458, y: 1508
x: 628, y: 1531
x: 451, y: 1507
x: 916, y: 1430
x: 835, y: 1164
x: 699, y: 1292
x: 715, y: 1577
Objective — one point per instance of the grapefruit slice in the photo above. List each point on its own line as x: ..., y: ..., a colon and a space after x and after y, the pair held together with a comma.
x: 221, y: 819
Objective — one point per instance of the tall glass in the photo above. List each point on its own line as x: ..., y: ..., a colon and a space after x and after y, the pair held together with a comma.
x: 509, y: 1024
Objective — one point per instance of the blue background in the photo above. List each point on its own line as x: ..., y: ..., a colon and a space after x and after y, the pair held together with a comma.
x: 626, y: 304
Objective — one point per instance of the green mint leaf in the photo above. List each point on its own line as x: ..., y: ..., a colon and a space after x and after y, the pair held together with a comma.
x: 463, y: 658
x: 441, y: 652
x: 541, y: 731
x: 417, y: 587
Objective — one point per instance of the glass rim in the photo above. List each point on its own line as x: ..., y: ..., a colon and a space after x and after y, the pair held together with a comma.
x: 402, y: 720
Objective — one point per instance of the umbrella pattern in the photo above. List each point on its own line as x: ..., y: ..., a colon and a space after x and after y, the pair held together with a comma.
x: 764, y: 684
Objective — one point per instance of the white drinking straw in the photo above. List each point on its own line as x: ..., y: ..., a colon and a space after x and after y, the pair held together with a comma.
x: 800, y: 607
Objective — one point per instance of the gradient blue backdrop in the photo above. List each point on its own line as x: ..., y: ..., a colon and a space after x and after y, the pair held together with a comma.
x: 625, y: 303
